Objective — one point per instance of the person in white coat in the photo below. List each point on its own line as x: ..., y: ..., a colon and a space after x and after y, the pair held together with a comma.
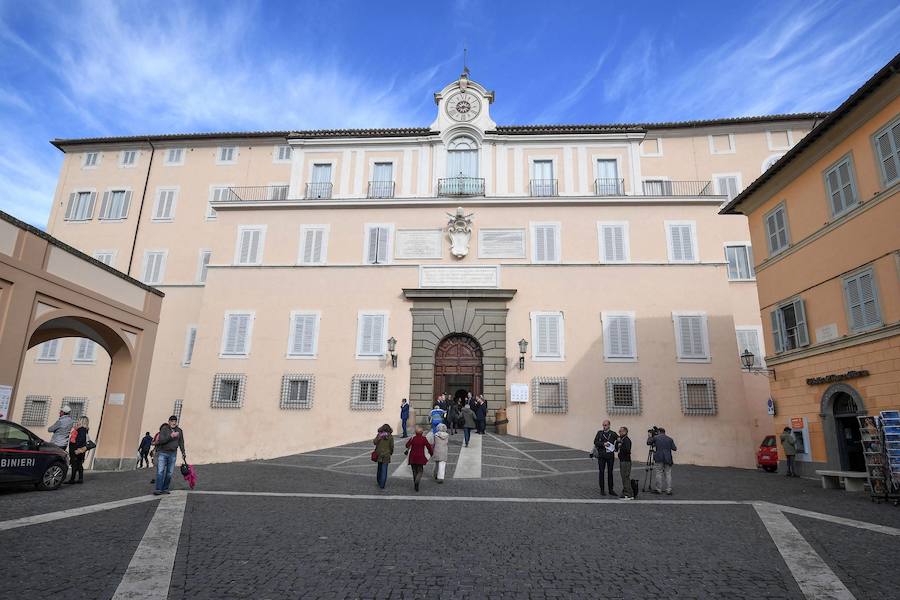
x: 439, y: 456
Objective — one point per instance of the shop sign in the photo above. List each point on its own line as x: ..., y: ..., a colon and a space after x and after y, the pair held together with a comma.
x: 796, y: 422
x: 836, y: 377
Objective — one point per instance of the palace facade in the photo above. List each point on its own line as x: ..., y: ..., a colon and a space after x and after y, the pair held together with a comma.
x: 312, y: 279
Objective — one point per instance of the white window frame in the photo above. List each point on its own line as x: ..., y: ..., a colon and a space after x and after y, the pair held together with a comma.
x: 246, y: 353
x: 635, y: 384
x: 385, y: 333
x: 712, y: 144
x: 277, y: 150
x: 769, y: 161
x: 51, y: 358
x: 538, y: 405
x: 749, y: 247
x: 235, y: 150
x: 211, y: 214
x: 626, y: 242
x: 219, y: 379
x: 286, y: 381
x: 162, y: 267
x: 112, y: 257
x: 355, y: 392
x: 270, y: 188
x: 704, y: 335
x: 659, y: 148
x: 132, y: 164
x: 787, y: 229
x: 174, y: 163
x: 532, y: 226
x: 554, y: 173
x: 292, y: 331
x: 759, y: 361
x: 389, y: 249
x: 738, y: 185
x: 654, y: 178
x: 84, y: 159
x: 620, y: 177
x: 605, y: 318
x: 126, y: 200
x: 561, y: 357
x: 772, y: 147
x: 694, y: 244
x: 200, y: 279
x: 84, y: 361
x: 710, y: 383
x: 522, y: 230
x: 262, y: 244
x: 93, y: 202
x: 326, y: 230
x: 159, y: 191
x: 187, y: 355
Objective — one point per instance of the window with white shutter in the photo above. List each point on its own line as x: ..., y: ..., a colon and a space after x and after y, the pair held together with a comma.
x: 303, y: 340
x: 776, y: 229
x: 80, y: 206
x: 217, y: 193
x: 750, y: 338
x: 887, y: 145
x: 789, y: 328
x: 236, y: 334
x: 297, y: 391
x: 501, y: 243
x: 190, y: 339
x: 840, y: 182
x: 740, y: 262
x: 614, y: 244
x: 85, y: 352
x: 164, y: 208
x: 545, y: 242
x: 657, y: 187
x: 203, y: 266
x: 691, y: 338
x: 277, y: 191
x: 107, y: 257
x: 371, y: 334
x: 862, y: 301
x: 154, y: 266
x: 681, y: 237
x: 619, y: 343
x: 721, y: 143
x: 226, y: 155
x: 313, y: 245
x: 547, y: 334
x: 379, y: 244
x: 49, y: 351
x: 128, y: 158
x: 282, y: 153
x: 250, y: 242
x: 114, y: 205
x: 174, y: 157
x: 727, y: 185
x: 91, y: 159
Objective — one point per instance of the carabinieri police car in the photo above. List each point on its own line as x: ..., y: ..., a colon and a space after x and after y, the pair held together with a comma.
x: 26, y: 458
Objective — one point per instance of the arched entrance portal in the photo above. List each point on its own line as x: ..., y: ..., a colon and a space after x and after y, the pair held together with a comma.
x: 841, y: 405
x: 458, y: 366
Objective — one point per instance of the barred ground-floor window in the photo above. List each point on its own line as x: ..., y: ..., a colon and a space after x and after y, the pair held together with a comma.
x: 297, y: 390
x: 698, y: 396
x: 367, y: 392
x: 550, y: 395
x: 78, y: 404
x: 228, y: 390
x: 36, y: 410
x: 623, y: 395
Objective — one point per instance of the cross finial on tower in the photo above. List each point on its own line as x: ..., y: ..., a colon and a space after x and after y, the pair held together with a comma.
x: 465, y: 72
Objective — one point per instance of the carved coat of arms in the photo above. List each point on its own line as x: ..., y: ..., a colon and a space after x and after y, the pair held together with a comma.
x: 459, y: 232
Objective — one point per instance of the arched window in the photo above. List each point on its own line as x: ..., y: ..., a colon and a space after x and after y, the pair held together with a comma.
x: 770, y: 161
x: 462, y: 158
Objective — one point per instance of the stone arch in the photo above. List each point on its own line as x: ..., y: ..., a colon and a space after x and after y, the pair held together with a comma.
x: 459, y: 364
x: 833, y: 449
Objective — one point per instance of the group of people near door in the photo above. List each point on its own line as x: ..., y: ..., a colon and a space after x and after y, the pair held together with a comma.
x: 416, y: 446
x: 454, y: 414
x: 607, y: 443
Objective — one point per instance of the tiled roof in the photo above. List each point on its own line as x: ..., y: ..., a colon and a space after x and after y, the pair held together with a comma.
x: 168, y: 137
x: 361, y: 133
x: 884, y: 74
x: 620, y: 127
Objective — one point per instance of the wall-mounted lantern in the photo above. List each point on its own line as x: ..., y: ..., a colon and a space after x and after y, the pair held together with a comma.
x: 392, y: 346
x: 747, y: 360
x: 523, y: 348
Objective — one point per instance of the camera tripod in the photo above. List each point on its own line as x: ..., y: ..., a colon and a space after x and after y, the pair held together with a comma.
x: 648, y: 469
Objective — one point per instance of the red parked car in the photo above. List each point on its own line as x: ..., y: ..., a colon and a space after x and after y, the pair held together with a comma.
x: 767, y: 455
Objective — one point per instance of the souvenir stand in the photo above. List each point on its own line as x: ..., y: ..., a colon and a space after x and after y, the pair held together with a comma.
x: 881, y: 447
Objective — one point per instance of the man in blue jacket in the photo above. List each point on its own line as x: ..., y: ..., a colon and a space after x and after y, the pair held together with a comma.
x: 662, y: 461
x: 404, y: 415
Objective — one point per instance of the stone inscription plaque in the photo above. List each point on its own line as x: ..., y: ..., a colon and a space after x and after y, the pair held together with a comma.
x: 418, y: 243
x: 459, y: 277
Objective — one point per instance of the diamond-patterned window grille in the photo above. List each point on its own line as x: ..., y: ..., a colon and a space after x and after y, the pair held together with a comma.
x: 367, y: 392
x: 549, y: 395
x: 78, y: 404
x: 623, y: 396
x: 35, y: 411
x: 698, y: 396
x: 297, y: 390
x: 228, y: 390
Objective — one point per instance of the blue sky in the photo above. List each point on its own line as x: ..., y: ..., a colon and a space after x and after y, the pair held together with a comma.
x: 71, y: 69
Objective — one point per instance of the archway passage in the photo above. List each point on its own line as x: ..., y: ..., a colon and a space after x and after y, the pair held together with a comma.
x: 849, y: 440
x: 458, y: 366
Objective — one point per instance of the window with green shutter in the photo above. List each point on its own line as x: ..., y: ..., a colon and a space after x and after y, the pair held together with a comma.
x: 776, y: 229
x: 789, y: 328
x: 841, y: 185
x: 887, y: 146
x: 862, y: 301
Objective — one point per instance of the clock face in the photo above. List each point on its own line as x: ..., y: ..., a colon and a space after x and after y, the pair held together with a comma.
x: 463, y: 106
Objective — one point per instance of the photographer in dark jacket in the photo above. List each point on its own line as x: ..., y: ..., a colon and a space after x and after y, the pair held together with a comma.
x: 623, y: 445
x: 662, y: 460
x: 605, y: 451
x: 171, y: 439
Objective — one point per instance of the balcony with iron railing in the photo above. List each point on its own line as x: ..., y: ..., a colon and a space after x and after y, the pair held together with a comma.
x: 607, y: 186
x: 667, y: 187
x: 543, y: 187
x: 461, y: 186
x: 318, y: 190
x: 380, y: 189
x: 256, y: 193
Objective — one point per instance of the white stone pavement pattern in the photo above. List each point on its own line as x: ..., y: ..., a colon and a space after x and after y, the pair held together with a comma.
x: 149, y: 573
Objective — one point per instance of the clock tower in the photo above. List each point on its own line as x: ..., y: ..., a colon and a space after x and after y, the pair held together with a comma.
x: 463, y: 104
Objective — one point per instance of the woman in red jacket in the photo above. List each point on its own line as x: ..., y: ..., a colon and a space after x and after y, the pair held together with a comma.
x: 417, y: 459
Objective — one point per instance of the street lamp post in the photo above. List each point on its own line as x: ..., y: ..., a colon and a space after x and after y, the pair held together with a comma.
x: 747, y: 360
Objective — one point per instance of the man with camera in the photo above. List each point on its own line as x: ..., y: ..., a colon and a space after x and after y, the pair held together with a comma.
x: 663, y: 446
x: 604, y: 450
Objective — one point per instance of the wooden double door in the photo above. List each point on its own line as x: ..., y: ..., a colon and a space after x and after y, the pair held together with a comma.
x: 458, y: 367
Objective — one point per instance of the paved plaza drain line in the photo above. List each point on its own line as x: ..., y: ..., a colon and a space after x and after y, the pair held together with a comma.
x: 149, y: 573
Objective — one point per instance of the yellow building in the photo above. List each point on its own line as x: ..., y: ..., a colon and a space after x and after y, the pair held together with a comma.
x: 825, y: 225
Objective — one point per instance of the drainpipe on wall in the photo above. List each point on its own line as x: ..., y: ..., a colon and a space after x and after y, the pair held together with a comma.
x: 137, y: 227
